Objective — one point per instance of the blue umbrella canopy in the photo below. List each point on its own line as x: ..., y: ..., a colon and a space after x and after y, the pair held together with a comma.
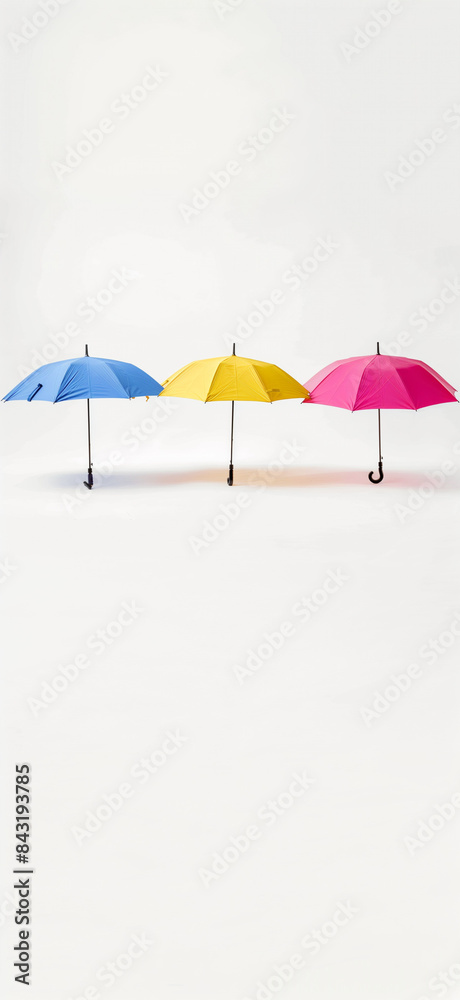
x: 85, y: 378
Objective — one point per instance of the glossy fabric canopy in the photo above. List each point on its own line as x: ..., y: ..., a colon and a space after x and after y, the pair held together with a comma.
x: 232, y: 378
x: 379, y: 382
x: 85, y: 378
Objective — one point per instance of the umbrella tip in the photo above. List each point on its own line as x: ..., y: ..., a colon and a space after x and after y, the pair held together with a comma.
x: 86, y: 350
x: 234, y: 351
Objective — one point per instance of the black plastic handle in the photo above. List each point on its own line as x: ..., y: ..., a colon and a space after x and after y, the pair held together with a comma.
x: 89, y: 484
x: 377, y: 479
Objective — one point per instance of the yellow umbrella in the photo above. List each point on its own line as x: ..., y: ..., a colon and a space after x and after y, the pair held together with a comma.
x: 233, y: 378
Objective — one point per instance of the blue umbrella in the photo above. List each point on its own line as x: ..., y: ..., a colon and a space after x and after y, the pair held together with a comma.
x: 85, y: 378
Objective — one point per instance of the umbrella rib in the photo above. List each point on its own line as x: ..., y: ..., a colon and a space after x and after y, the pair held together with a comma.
x: 212, y: 381
x: 361, y: 378
x: 339, y: 363
x: 268, y: 400
x: 112, y: 372
x: 405, y: 386
x: 56, y: 400
x: 439, y: 378
x: 394, y: 371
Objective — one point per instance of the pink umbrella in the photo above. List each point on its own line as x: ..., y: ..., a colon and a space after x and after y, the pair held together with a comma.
x: 379, y: 382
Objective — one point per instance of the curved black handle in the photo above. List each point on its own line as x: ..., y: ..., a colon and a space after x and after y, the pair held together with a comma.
x: 377, y: 479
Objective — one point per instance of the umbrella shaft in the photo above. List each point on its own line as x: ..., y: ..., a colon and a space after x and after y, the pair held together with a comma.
x: 89, y: 436
x: 231, y: 434
x: 380, y: 439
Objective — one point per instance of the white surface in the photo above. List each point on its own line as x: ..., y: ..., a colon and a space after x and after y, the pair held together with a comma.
x: 78, y: 557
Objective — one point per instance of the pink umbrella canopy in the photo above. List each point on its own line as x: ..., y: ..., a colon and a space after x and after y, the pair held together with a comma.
x: 379, y: 382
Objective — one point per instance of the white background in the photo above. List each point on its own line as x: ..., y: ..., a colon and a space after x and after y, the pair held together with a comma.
x: 73, y: 558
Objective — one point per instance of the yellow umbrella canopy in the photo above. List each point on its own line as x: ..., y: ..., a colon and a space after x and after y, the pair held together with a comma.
x: 233, y: 378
